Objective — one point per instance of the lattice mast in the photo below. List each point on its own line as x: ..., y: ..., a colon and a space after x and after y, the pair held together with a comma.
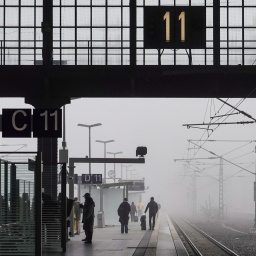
x: 221, y: 205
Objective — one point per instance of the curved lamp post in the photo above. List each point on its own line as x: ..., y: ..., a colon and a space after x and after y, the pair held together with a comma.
x: 105, y: 180
x: 89, y: 126
x: 115, y: 153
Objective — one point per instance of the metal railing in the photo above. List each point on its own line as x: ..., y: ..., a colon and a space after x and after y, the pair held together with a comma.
x: 98, y: 33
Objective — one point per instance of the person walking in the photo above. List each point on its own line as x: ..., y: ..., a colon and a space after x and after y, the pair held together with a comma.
x: 78, y: 209
x: 133, y: 211
x: 88, y: 218
x: 153, y: 208
x: 123, y: 213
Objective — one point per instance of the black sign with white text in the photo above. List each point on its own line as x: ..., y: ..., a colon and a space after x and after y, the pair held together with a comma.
x: 16, y: 123
x: 19, y: 123
x: 91, y: 179
x: 47, y: 123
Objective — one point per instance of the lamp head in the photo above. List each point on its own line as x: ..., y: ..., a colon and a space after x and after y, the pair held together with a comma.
x: 141, y: 151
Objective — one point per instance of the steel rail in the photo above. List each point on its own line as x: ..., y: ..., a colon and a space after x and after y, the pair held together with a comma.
x: 223, y: 247
x: 193, y: 247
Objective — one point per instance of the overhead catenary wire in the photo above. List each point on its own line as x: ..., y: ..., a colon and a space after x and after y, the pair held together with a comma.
x: 208, y: 124
x: 238, y: 172
x: 202, y: 171
x: 225, y: 140
x: 212, y: 165
x: 249, y: 142
x: 225, y: 159
x: 240, y: 111
x: 211, y: 117
x: 231, y: 110
x: 215, y: 164
x: 236, y: 149
x: 212, y: 130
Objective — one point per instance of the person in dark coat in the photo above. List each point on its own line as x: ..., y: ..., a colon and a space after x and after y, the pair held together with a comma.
x: 123, y: 213
x: 88, y: 219
x: 153, y: 208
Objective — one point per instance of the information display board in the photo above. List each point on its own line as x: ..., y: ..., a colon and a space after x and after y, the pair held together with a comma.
x: 138, y: 185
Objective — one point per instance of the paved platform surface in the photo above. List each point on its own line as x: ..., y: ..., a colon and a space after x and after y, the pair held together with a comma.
x: 109, y: 241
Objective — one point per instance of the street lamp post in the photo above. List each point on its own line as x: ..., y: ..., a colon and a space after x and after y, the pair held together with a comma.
x: 254, y: 226
x: 89, y: 126
x: 101, y: 190
x: 126, y: 166
x: 131, y: 172
x: 115, y: 153
x: 105, y: 142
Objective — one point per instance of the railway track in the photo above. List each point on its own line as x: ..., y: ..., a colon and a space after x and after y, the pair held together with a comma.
x: 198, y: 242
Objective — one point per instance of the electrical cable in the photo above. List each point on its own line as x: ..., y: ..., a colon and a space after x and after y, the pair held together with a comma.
x: 231, y: 110
x: 237, y: 172
x: 226, y: 160
x: 243, y: 155
x: 236, y: 149
x: 206, y: 110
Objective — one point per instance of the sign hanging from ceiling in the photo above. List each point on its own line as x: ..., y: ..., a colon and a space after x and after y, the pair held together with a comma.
x: 177, y: 27
x: 19, y: 123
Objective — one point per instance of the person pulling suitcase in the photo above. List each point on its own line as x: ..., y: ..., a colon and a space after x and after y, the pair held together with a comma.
x: 153, y: 208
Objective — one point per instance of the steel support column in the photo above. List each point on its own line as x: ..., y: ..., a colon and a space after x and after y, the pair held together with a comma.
x: 38, y: 205
x: 133, y: 17
x: 194, y: 195
x: 63, y: 207
x: 71, y: 193
x: 221, y: 207
x: 6, y: 191
x: 1, y: 198
x: 216, y: 32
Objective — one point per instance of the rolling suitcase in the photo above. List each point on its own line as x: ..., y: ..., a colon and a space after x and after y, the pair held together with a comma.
x: 136, y: 218
x: 143, y: 222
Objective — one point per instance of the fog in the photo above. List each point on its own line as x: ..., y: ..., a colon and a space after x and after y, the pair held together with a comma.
x: 158, y: 125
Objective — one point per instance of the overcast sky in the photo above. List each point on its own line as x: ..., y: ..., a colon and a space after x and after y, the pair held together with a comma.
x: 158, y: 125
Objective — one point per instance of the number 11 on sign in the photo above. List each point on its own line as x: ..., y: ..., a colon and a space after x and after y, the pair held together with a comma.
x: 46, y: 116
x: 182, y: 19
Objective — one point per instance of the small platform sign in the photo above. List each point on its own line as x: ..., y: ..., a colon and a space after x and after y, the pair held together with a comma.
x: 16, y: 123
x: 91, y: 179
x: 47, y: 123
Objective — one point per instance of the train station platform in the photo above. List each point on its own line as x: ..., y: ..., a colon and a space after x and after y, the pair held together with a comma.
x: 109, y: 241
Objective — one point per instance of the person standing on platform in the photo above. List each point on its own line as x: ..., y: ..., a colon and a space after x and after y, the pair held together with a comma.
x: 78, y: 209
x: 133, y: 211
x: 123, y: 213
x: 140, y: 208
x: 88, y: 218
x: 153, y: 208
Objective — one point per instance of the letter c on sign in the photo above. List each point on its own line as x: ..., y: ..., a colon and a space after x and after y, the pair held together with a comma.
x: 14, y: 123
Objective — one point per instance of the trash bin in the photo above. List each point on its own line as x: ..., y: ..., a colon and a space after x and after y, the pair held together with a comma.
x: 100, y: 220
